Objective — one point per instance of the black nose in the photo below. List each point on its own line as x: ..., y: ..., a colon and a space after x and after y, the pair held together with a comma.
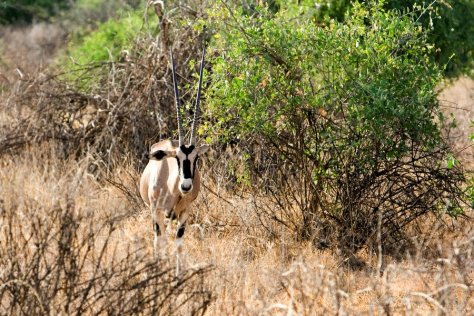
x: 185, y: 188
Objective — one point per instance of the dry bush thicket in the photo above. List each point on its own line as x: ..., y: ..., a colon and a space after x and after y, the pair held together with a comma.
x: 63, y: 249
x: 59, y: 254
x: 384, y: 205
x: 27, y: 49
x: 127, y: 110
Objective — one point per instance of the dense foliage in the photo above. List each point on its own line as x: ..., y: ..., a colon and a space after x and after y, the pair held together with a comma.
x: 30, y: 11
x: 27, y: 11
x: 110, y: 42
x: 450, y: 24
x: 338, y: 121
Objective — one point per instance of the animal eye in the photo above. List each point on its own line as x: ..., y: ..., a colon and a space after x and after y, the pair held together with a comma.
x: 158, y: 155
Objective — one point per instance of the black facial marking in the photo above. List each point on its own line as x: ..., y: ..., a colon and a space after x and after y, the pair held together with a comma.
x: 180, y: 232
x: 187, y: 169
x: 195, y: 164
x: 156, y: 228
x: 158, y: 155
x: 187, y: 150
x: 179, y: 165
x: 187, y: 172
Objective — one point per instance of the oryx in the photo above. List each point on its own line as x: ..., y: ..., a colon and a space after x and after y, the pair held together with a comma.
x: 171, y: 181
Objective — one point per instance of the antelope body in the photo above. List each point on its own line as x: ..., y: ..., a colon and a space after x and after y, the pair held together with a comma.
x: 171, y: 180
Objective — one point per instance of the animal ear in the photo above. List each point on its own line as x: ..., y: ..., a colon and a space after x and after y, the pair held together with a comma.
x: 203, y: 149
x: 160, y: 154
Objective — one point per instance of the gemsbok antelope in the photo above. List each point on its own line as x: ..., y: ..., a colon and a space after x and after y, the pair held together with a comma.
x: 171, y: 181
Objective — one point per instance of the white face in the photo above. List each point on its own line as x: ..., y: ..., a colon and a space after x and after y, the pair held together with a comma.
x: 187, y: 158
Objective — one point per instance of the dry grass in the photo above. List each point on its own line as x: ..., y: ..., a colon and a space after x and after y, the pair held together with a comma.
x: 71, y: 244
x: 64, y: 248
x: 36, y: 44
x: 256, y: 276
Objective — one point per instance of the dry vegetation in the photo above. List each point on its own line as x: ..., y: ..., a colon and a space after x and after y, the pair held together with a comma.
x: 70, y: 244
x: 75, y: 239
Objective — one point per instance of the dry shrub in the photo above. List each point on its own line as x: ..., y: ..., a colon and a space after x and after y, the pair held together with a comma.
x: 129, y: 106
x: 63, y: 250
x: 384, y: 204
x: 29, y: 48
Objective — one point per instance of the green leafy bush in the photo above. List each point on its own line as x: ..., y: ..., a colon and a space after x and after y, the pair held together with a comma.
x: 26, y: 11
x: 450, y: 25
x: 110, y: 42
x: 338, y: 123
x: 107, y: 41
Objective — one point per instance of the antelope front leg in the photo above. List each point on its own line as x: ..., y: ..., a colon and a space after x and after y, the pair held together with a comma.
x: 179, y: 240
x: 159, y: 240
x: 180, y: 231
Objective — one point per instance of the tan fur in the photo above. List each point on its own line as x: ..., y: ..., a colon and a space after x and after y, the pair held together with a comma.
x: 163, y: 175
x: 159, y: 188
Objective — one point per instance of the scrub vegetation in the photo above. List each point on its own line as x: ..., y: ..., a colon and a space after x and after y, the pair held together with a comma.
x: 334, y: 184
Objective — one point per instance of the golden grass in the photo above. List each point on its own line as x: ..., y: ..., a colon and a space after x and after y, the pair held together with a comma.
x: 249, y: 275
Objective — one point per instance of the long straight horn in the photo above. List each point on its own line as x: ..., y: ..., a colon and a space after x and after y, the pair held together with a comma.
x: 198, y: 98
x: 176, y: 97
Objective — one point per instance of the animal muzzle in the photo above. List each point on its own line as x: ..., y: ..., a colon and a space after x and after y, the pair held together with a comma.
x: 186, y: 186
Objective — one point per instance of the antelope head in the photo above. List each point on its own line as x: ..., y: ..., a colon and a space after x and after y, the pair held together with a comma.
x: 187, y: 156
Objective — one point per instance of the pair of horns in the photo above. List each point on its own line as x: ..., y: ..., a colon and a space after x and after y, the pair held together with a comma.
x: 178, y: 105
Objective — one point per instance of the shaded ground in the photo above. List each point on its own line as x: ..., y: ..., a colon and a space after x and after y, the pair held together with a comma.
x: 458, y: 100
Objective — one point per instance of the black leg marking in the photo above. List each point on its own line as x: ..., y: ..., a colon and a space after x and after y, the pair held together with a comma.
x: 170, y: 215
x: 181, y: 230
x: 157, y: 230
